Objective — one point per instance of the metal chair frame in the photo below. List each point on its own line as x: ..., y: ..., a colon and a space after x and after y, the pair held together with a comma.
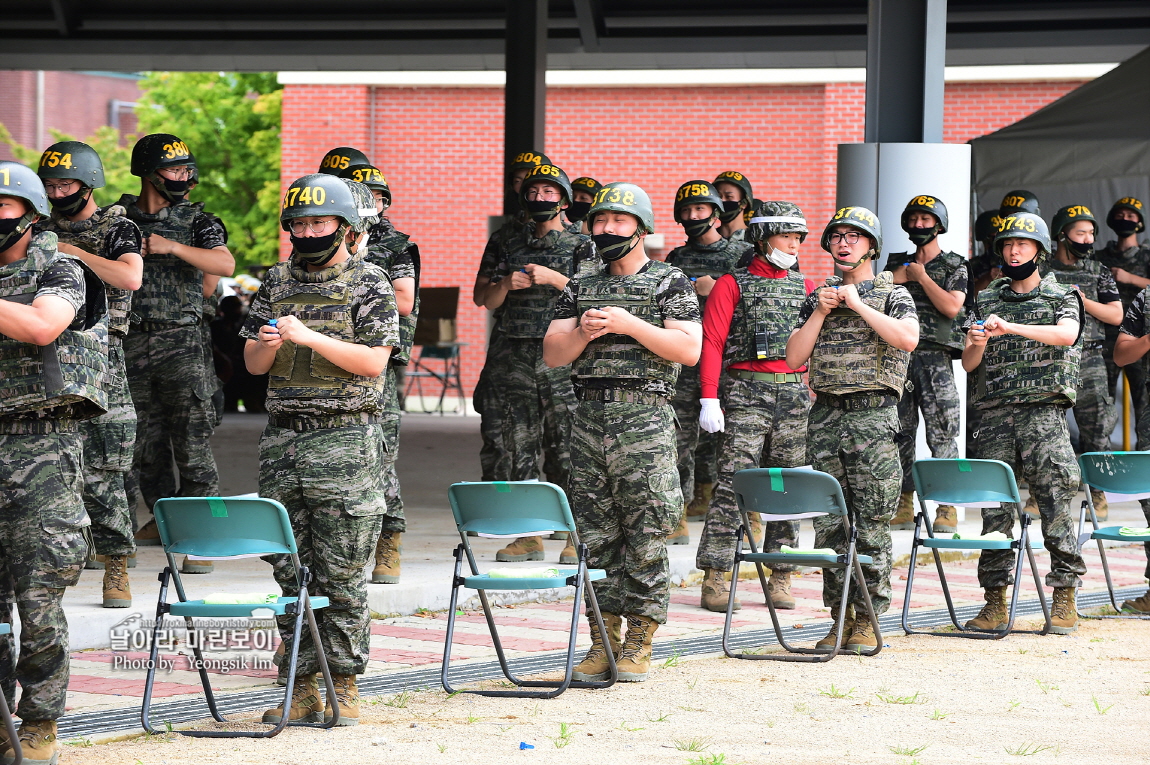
x: 5, y: 713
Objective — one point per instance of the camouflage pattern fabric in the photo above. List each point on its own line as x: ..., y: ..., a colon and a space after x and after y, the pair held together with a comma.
x: 1135, y: 323
x: 947, y: 270
x: 398, y: 256
x: 494, y: 460
x: 393, y: 519
x: 1095, y: 412
x: 1035, y: 441
x: 1136, y: 260
x: 538, y: 405
x: 527, y: 312
x: 109, y: 443
x: 766, y: 426
x: 931, y: 389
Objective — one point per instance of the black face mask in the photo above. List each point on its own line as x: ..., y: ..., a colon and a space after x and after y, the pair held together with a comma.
x: 922, y: 236
x: 1019, y: 272
x: 173, y: 191
x: 1123, y: 227
x: 1080, y: 249
x: 612, y: 247
x: 577, y: 211
x: 696, y: 228
x: 318, y: 250
x: 71, y: 204
x: 11, y: 230
x: 730, y: 211
x: 541, y: 210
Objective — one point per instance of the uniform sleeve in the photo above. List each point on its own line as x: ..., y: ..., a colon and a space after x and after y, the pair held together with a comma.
x: 64, y: 279
x: 259, y: 313
x: 1134, y: 323
x: 376, y: 318
x: 402, y: 265
x: 716, y: 327
x: 490, y: 258
x: 1069, y: 308
x: 959, y: 281
x: 900, y: 305
x: 122, y: 238
x: 1107, y: 287
x: 565, y: 306
x: 677, y: 299
x: 208, y: 232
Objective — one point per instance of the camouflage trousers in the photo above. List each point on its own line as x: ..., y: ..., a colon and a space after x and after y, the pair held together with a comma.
x: 1094, y: 410
x: 1136, y: 377
x: 697, y: 451
x: 538, y: 404
x: 1035, y: 441
x: 766, y: 426
x: 973, y: 416
x: 858, y: 449
x: 932, y: 391
x: 494, y: 461
x: 108, y: 447
x: 1144, y: 445
x: 625, y: 497
x: 169, y: 383
x: 42, y: 551
x: 331, y: 483
x: 394, y: 519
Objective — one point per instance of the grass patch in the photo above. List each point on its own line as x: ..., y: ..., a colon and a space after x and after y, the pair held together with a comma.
x: 1046, y: 687
x: 623, y: 726
x: 908, y: 751
x: 697, y: 744
x: 564, y: 737
x: 400, y: 700
x: 710, y: 759
x: 1027, y: 749
x: 673, y: 659
x: 891, y: 698
x: 837, y: 693
x: 1098, y: 705
x: 938, y: 714
x: 660, y: 718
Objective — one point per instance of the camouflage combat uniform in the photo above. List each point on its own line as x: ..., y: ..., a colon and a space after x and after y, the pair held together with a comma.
x: 109, y: 439
x: 930, y: 383
x: 47, y: 391
x: 624, y: 491
x: 858, y: 378
x: 1137, y: 324
x: 1136, y: 260
x: 321, y: 454
x: 1023, y: 387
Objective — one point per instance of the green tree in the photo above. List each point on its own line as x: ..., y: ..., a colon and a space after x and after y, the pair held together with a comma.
x: 114, y: 156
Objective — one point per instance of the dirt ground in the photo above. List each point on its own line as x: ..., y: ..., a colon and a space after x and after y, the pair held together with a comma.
x: 1083, y: 698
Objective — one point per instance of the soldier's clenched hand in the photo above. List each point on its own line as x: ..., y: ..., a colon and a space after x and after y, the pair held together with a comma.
x: 291, y: 328
x: 829, y: 299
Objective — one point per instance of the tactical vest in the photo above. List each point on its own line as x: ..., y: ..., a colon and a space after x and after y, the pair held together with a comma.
x: 1136, y: 260
x: 392, y: 242
x: 934, y: 329
x: 91, y: 236
x: 1018, y: 370
x: 621, y: 356
x: 302, y: 381
x: 172, y: 292
x: 528, y: 312
x: 849, y: 356
x: 766, y: 313
x: 1084, y: 274
x: 713, y: 260
x: 64, y: 379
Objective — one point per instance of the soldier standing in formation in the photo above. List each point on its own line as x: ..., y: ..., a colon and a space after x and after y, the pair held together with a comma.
x: 1129, y: 262
x: 583, y: 190
x: 1131, y: 348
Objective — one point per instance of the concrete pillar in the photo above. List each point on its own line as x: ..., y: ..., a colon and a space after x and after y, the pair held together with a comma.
x: 525, y: 93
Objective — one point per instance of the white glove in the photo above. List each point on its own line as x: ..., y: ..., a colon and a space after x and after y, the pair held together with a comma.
x: 711, y: 417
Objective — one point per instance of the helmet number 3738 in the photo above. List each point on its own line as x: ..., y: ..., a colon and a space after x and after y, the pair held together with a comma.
x: 609, y: 194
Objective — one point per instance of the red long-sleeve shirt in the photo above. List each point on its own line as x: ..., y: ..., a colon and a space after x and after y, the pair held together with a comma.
x: 717, y: 325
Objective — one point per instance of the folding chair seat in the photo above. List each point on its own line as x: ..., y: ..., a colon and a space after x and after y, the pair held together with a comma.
x: 221, y: 528
x: 1116, y: 473
x: 519, y: 509
x: 791, y: 494
x: 5, y: 713
x: 979, y: 483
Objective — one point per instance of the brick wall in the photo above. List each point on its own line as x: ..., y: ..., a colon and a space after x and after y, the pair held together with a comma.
x: 440, y: 149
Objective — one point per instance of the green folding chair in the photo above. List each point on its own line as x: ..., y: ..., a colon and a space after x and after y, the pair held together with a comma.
x: 5, y: 713
x: 791, y: 494
x: 986, y: 483
x: 1118, y: 473
x: 519, y: 509
x: 231, y: 527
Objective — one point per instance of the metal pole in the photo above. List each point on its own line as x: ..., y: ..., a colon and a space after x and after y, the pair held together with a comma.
x: 525, y: 92
x: 906, y: 56
x: 40, y: 143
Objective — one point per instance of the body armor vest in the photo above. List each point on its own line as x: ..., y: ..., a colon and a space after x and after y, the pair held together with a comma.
x: 934, y: 329
x: 301, y: 381
x: 849, y: 356
x: 1085, y: 275
x: 764, y: 316
x: 714, y: 260
x: 64, y: 379
x: 528, y: 312
x: 621, y: 356
x: 173, y: 290
x: 1134, y: 260
x: 91, y: 236
x: 384, y: 236
x: 1018, y: 370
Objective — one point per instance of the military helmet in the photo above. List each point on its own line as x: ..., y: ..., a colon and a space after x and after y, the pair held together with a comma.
x: 737, y: 178
x: 1071, y: 214
x: 72, y: 160
x: 525, y: 160
x: 341, y: 158
x: 1019, y: 199
x: 586, y: 185
x: 856, y: 217
x: 621, y: 196
x: 320, y: 194
x: 158, y: 150
x: 697, y: 192
x: 927, y: 204
x: 1133, y: 205
x: 986, y: 225
x: 365, y: 205
x: 1023, y: 225
x: 749, y: 212
x: 773, y: 218
x: 370, y: 176
x: 18, y: 180
x: 546, y: 173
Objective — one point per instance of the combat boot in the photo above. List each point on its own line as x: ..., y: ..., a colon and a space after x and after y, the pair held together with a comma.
x: 756, y: 531
x: 681, y: 535
x: 347, y: 696
x: 97, y: 563
x: 862, y: 636
x: 38, y: 742
x: 386, y: 569
x: 848, y: 627
x: 117, y: 592
x: 306, y: 706
x: 995, y: 615
x: 568, y: 557
x: 635, y: 657
x: 524, y: 548
x: 1138, y: 606
x: 595, y: 665
x: 191, y: 566
x: 701, y: 501
x: 1063, y: 612
x: 148, y: 534
x: 1031, y: 508
x: 904, y: 516
x: 715, y: 593
x: 5, y: 745
x: 557, y: 535
x: 779, y: 590
x: 945, y: 520
x: 1101, y: 506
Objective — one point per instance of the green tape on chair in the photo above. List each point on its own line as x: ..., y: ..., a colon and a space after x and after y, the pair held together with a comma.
x: 502, y: 486
x: 218, y: 506
x: 963, y: 466
x: 776, y: 479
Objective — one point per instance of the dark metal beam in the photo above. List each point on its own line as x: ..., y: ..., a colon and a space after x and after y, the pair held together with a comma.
x: 525, y: 92
x: 590, y: 18
x: 65, y: 17
x: 906, y: 53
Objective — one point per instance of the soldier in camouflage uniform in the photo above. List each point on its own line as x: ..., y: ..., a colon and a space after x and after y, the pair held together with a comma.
x: 166, y: 360
x: 734, y: 190
x: 858, y: 333
x: 1131, y: 348
x: 108, y: 243
x: 1024, y: 348
x: 53, y: 359
x: 705, y: 257
x: 981, y: 269
x: 321, y: 454
x: 625, y: 328
x: 1074, y: 230
x: 749, y: 394
x: 1129, y: 262
x: 937, y: 282
x: 583, y: 191
x: 538, y: 401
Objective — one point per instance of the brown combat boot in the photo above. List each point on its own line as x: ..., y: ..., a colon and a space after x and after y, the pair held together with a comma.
x: 848, y: 627
x: 1101, y: 506
x: 38, y: 743
x: 1138, y: 606
x: 1063, y: 612
x: 681, y: 535
x: 779, y: 590
x: 306, y: 706
x: 995, y: 614
x: 1031, y: 508
x: 945, y: 520
x: 524, y: 548
x: 904, y: 516
x: 595, y: 665
x: 193, y: 566
x: 386, y: 569
x: 862, y: 635
x: 635, y: 657
x: 697, y: 508
x: 715, y: 593
x: 97, y: 563
x: 117, y: 592
x: 347, y: 696
x: 568, y: 557
x: 148, y: 534
x: 756, y: 531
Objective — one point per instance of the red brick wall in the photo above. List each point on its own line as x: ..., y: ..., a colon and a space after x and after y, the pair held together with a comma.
x: 440, y: 149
